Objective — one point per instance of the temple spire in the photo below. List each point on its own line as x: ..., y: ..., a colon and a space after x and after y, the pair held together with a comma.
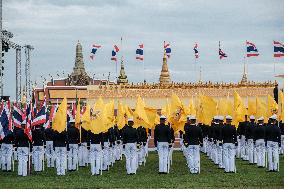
x: 165, y: 75
x: 122, y: 78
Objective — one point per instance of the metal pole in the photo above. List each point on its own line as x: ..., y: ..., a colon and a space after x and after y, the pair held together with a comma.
x: 18, y: 75
x: 1, y: 36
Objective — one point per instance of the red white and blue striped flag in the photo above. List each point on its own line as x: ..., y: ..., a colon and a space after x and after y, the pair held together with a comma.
x: 195, y: 50
x: 251, y: 49
x: 221, y: 53
x: 114, y: 52
x: 278, y: 49
x: 167, y: 49
x: 95, y: 47
x: 140, y: 52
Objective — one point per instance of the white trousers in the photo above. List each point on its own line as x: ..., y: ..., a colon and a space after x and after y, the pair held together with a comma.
x: 38, y: 155
x: 73, y: 156
x: 282, y: 145
x: 141, y: 154
x: 49, y: 154
x: 229, y: 157
x: 6, y: 156
x: 118, y: 151
x: 215, y: 153
x: 273, y: 155
x: 23, y: 157
x: 83, y: 154
x: 96, y: 155
x: 163, y: 152
x: 60, y: 160
x: 250, y: 150
x: 260, y: 152
x: 131, y: 158
x: 193, y: 156
x: 220, y: 155
x: 106, y: 158
x: 242, y: 145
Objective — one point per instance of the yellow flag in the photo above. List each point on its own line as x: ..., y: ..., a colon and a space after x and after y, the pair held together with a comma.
x: 78, y: 115
x: 109, y: 114
x: 166, y: 110
x: 209, y: 109
x: 128, y: 112
x: 120, y: 117
x: 140, y: 116
x: 199, y: 110
x: 176, y: 104
x: 99, y: 105
x: 239, y: 109
x: 272, y: 106
x: 192, y: 107
x: 60, y: 118
x: 152, y: 115
x: 86, y: 118
x: 251, y: 107
x: 98, y: 123
x: 281, y: 106
x: 261, y: 109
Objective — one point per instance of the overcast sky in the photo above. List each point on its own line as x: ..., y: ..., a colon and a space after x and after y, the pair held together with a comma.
x: 53, y: 27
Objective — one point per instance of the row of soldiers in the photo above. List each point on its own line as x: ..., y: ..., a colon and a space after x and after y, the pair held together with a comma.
x: 73, y: 148
x: 70, y: 149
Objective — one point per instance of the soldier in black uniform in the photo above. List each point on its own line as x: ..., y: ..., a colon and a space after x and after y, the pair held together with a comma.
x: 273, y: 138
x: 60, y: 143
x: 38, y: 147
x: 162, y: 139
x: 106, y: 151
x: 281, y: 125
x: 249, y: 139
x: 218, y: 135
x: 193, y: 139
x: 49, y: 151
x: 73, y: 136
x: 241, y: 131
x: 130, y: 139
x: 259, y: 140
x: 229, y: 137
x: 23, y: 144
x: 96, y: 153
x: 7, y: 151
x: 142, y: 140
x: 118, y: 143
x: 83, y: 152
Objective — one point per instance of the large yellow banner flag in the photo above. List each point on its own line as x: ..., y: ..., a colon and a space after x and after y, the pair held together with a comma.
x: 60, y: 118
x: 251, y: 107
x: 78, y: 115
x: 261, y: 109
x: 140, y: 116
x: 272, y: 106
x: 209, y: 109
x: 239, y: 109
x: 120, y: 116
x: 86, y: 118
x: 281, y: 106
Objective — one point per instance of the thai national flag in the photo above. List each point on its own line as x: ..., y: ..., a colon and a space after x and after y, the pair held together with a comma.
x: 278, y: 49
x: 195, y: 50
x: 114, y: 52
x: 50, y: 116
x: 140, y: 52
x: 18, y: 116
x: 168, y: 49
x: 5, y: 122
x: 94, y: 50
x: 251, y: 49
x: 27, y: 121
x: 40, y: 116
x: 221, y: 53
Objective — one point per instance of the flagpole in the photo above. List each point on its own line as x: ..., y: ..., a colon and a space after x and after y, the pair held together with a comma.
x: 246, y: 58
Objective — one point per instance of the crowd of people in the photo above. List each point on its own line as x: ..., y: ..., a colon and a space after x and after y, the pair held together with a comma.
x: 253, y: 140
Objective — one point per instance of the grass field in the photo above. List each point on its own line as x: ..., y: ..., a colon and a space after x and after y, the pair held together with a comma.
x: 247, y: 176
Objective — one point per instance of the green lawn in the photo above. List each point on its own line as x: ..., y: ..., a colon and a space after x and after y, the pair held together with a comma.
x: 247, y: 176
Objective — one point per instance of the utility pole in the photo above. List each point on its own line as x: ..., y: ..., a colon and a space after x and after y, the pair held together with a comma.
x: 28, y: 49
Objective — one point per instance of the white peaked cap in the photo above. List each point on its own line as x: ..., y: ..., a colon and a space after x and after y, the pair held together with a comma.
x: 72, y: 120
x: 191, y: 117
x: 260, y: 118
x: 274, y: 116
x: 130, y: 119
x: 251, y: 117
x: 221, y: 118
x: 163, y: 117
x: 229, y: 117
x: 216, y: 117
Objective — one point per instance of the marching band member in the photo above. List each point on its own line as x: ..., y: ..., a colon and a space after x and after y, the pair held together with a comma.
x: 162, y: 138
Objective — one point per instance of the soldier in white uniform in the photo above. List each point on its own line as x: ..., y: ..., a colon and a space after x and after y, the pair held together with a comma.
x: 130, y: 139
x: 49, y: 149
x: 162, y: 138
x: 38, y: 148
x: 7, y: 151
x: 73, y: 140
x: 59, y: 141
x: 259, y: 139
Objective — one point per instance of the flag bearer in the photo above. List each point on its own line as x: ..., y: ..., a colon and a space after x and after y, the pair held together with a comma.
x: 273, y: 137
x: 229, y: 137
x: 73, y: 140
x: 242, y: 138
x: 38, y: 148
x: 249, y: 138
x: 59, y: 142
x: 142, y: 133
x: 7, y: 151
x: 259, y: 140
x: 193, y: 139
x: 281, y: 125
x: 130, y: 139
x: 106, y: 150
x: 49, y: 150
x: 118, y: 144
x: 162, y: 138
x: 23, y: 144
x: 96, y: 152
x: 218, y: 134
